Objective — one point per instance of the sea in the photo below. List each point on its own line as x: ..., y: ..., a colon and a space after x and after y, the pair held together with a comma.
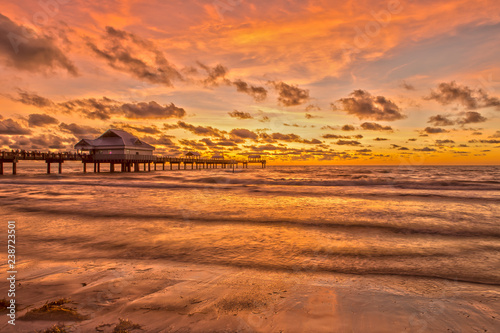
x: 434, y: 222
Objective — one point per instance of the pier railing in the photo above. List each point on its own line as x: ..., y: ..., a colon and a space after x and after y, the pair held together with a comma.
x: 127, y: 161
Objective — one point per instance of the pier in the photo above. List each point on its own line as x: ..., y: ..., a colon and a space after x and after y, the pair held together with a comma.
x: 123, y: 162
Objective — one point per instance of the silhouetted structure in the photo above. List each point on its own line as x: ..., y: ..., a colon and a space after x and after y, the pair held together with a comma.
x: 118, y: 147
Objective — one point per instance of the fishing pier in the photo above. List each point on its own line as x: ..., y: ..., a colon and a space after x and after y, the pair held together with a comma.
x: 125, y: 153
x: 122, y: 162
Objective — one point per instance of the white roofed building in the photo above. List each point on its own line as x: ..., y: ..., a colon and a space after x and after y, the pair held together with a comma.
x: 115, y: 141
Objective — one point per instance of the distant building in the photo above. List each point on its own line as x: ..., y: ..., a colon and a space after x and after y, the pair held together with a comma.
x: 115, y: 142
x: 218, y: 156
x: 193, y: 154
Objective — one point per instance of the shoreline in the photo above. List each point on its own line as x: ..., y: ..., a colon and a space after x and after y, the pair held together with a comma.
x: 164, y: 296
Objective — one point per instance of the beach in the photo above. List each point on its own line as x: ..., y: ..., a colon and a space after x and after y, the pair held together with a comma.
x: 282, y: 249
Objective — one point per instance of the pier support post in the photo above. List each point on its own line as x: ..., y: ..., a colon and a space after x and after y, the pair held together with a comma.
x: 111, y: 167
x: 98, y: 167
x: 48, y: 168
x: 170, y: 165
x: 149, y: 166
x: 163, y: 164
x: 84, y: 167
x: 95, y: 167
x: 1, y: 168
x: 60, y: 167
x: 136, y: 167
x: 14, y: 167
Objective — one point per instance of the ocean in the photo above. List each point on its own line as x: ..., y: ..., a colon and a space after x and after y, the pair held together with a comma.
x: 433, y: 222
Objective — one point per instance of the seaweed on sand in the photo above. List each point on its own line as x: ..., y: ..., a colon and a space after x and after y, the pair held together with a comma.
x: 56, y: 310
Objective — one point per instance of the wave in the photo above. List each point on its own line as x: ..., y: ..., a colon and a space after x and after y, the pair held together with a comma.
x: 323, y: 224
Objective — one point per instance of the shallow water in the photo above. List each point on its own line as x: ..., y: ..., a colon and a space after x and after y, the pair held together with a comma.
x: 425, y: 221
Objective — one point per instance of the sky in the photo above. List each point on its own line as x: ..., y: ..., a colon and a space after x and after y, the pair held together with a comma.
x: 300, y: 82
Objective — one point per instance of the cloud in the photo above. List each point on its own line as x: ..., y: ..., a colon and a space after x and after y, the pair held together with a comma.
x: 347, y: 143
x: 258, y: 93
x: 484, y: 141
x: 152, y: 110
x: 103, y: 108
x: 28, y: 98
x: 495, y: 135
x: 138, y: 57
x: 447, y: 93
x: 290, y: 95
x: 201, y: 130
x: 472, y: 117
x: 22, y: 49
x: 240, y: 114
x: 47, y: 141
x: 37, y: 120
x: 288, y: 138
x: 434, y: 130
x: 440, y: 120
x: 11, y: 127
x: 335, y: 136
x: 365, y: 106
x: 375, y: 127
x: 244, y: 134
x: 406, y: 85
x: 347, y: 128
x: 215, y: 75
x: 443, y: 142
x: 380, y: 139
x: 78, y: 130
x: 137, y: 128
x: 163, y: 140
x: 424, y: 149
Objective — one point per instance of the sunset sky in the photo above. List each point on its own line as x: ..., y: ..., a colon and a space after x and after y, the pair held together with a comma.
x: 348, y: 82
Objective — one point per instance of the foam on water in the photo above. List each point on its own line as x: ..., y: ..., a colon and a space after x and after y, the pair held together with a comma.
x: 438, y: 222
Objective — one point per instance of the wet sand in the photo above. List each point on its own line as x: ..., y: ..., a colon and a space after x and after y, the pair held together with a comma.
x: 174, y: 297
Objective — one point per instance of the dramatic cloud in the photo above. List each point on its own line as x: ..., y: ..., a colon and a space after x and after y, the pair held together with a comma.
x: 244, y: 134
x: 347, y: 128
x: 240, y: 114
x: 375, y: 127
x: 440, y: 120
x: 28, y: 98
x: 365, y: 106
x: 447, y: 93
x: 258, y: 93
x: 104, y: 108
x: 79, y: 130
x: 37, y: 120
x: 469, y: 117
x: 163, y: 140
x: 472, y: 117
x: 215, y: 75
x: 136, y: 128
x: 22, y: 49
x: 335, y: 136
x: 424, y: 149
x: 434, y: 130
x: 140, y: 58
x: 380, y: 139
x: 152, y: 110
x: 288, y: 138
x: 407, y: 86
x: 290, y: 95
x: 347, y: 143
x: 11, y: 127
x: 443, y: 142
x: 201, y: 130
x: 484, y: 141
x: 48, y: 141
